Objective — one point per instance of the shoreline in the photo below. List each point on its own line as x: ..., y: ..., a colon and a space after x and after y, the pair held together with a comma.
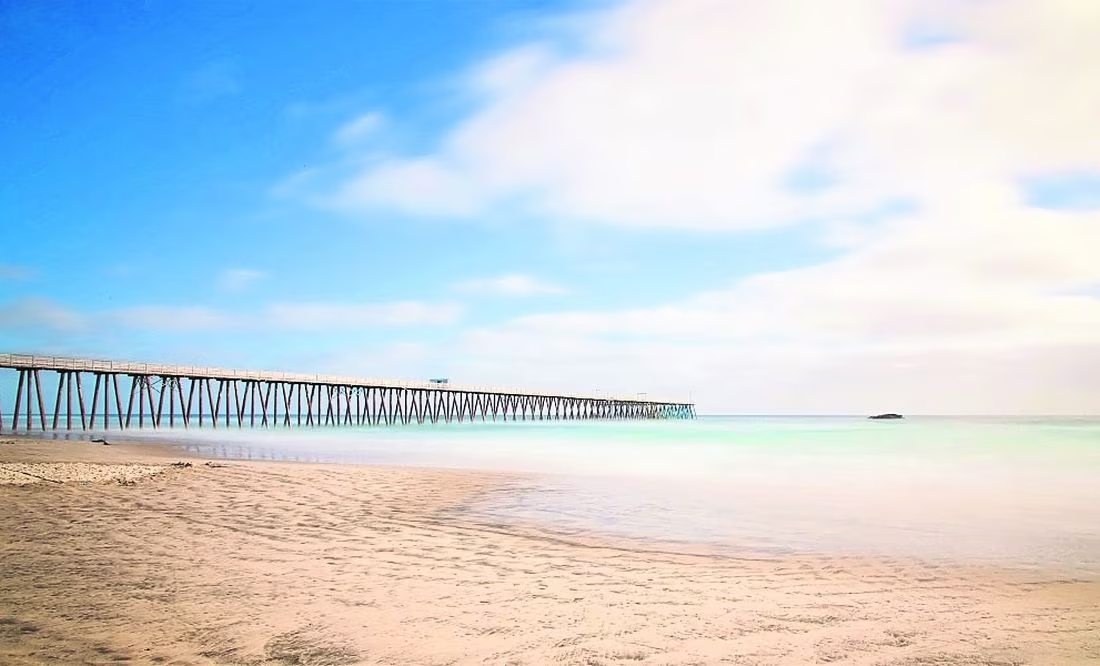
x: 273, y: 562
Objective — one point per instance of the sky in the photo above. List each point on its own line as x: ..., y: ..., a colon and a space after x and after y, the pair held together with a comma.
x: 765, y: 208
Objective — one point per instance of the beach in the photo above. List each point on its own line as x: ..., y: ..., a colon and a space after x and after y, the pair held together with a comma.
x: 141, y: 554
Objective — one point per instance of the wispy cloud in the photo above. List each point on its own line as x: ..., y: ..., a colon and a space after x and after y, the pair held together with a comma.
x: 211, y: 82
x: 341, y: 105
x: 390, y: 360
x: 239, y: 279
x: 297, y: 316
x: 31, y: 314
x: 39, y: 313
x: 352, y: 316
x: 509, y: 285
x: 426, y: 187
x: 10, y: 272
x: 173, y: 318
x: 355, y: 131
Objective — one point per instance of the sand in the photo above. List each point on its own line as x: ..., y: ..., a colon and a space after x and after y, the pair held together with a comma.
x: 121, y: 557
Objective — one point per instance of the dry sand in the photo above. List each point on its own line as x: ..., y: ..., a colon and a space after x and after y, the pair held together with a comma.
x: 271, y: 563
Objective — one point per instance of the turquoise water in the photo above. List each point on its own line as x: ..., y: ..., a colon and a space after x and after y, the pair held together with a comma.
x: 1024, y: 491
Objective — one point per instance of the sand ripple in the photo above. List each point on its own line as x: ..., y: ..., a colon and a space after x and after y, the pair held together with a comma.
x: 274, y: 563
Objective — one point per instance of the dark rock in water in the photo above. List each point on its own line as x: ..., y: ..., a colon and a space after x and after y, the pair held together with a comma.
x: 886, y: 417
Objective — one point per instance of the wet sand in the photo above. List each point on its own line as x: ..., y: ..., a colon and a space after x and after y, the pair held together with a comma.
x: 109, y: 554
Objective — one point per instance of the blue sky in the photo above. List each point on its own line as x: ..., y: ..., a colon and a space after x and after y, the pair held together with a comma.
x: 638, y: 195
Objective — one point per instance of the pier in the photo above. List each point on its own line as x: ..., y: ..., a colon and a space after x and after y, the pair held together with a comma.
x: 61, y: 393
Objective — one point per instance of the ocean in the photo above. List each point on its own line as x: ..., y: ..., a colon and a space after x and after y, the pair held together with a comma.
x: 1022, y: 492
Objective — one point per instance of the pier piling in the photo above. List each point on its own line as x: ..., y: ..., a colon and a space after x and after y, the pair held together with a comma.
x: 165, y: 394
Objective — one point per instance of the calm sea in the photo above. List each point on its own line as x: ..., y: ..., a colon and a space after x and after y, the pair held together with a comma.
x: 1024, y: 491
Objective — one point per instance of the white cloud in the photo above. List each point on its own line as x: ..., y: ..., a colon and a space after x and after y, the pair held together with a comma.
x: 701, y: 114
x: 239, y: 279
x: 509, y: 285
x: 695, y: 113
x: 691, y: 113
x: 354, y: 131
x: 698, y: 114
